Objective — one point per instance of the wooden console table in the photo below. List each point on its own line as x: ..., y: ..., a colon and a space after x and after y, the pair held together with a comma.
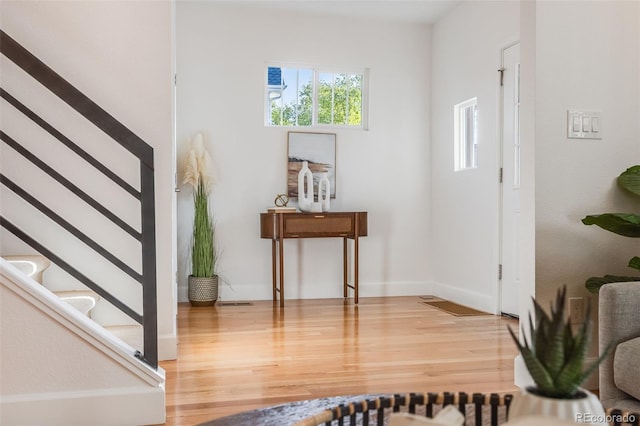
x: 278, y: 226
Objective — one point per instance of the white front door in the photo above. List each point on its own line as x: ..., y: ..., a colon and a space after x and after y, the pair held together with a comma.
x: 510, y: 211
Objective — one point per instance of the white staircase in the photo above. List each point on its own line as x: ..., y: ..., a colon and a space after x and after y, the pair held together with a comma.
x: 59, y: 367
x: 83, y: 301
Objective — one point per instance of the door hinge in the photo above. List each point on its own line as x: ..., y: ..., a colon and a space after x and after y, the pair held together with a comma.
x: 501, y: 71
x: 501, y: 173
x: 175, y: 79
x: 500, y: 271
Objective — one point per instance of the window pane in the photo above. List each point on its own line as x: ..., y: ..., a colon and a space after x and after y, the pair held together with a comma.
x: 305, y: 97
x: 355, y: 100
x: 340, y: 99
x: 290, y: 101
x: 325, y: 98
x: 466, y: 135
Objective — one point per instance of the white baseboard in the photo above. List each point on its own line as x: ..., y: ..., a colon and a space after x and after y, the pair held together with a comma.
x: 465, y: 297
x: 167, y: 347
x: 293, y: 291
x: 124, y: 406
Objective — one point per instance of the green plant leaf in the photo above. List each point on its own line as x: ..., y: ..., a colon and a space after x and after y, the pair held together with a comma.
x: 536, y: 369
x: 635, y: 263
x: 596, y: 363
x: 555, y: 353
x: 593, y: 284
x: 630, y: 179
x: 540, y: 333
x: 568, y: 378
x: 626, y: 224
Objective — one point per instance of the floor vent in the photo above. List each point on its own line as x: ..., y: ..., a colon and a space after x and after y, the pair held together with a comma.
x: 235, y: 304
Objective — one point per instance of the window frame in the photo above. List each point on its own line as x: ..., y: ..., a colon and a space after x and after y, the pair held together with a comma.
x: 461, y: 142
x: 316, y: 71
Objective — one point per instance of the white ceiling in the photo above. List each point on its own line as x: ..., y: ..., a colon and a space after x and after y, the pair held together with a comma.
x: 415, y: 11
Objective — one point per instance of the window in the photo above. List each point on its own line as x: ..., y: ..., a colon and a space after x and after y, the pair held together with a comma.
x: 308, y: 97
x: 516, y: 138
x: 466, y: 135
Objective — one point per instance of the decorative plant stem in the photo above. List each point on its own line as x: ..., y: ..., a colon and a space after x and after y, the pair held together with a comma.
x: 203, y: 253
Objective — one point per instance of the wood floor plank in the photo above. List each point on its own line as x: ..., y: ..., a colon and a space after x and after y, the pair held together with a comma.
x: 237, y: 358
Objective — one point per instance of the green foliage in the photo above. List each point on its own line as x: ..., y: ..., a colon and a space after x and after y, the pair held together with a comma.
x: 630, y: 180
x: 344, y: 99
x: 593, y: 284
x: 203, y: 252
x: 625, y: 224
x: 555, y: 356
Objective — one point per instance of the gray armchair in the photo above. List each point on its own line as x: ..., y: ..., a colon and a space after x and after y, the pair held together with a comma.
x: 619, y: 323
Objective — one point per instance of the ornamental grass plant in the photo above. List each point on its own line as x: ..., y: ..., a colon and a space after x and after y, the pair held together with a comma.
x: 204, y: 255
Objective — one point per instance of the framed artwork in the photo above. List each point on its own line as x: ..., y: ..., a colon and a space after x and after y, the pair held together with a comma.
x: 319, y: 150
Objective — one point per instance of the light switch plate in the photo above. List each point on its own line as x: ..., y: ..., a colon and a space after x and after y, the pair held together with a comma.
x: 584, y: 124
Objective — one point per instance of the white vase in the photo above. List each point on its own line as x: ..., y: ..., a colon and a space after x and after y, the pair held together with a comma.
x: 305, y: 199
x: 324, y: 192
x: 587, y: 409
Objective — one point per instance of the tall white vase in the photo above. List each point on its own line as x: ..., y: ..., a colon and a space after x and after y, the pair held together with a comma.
x: 324, y: 192
x: 305, y: 199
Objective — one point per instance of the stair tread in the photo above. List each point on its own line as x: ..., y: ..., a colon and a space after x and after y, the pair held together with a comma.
x: 76, y: 293
x: 38, y: 264
x: 123, y: 328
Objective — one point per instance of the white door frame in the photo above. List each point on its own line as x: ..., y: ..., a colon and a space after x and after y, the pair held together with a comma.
x: 500, y: 133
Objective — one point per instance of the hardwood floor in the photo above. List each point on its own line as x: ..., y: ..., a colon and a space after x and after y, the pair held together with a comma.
x: 236, y: 358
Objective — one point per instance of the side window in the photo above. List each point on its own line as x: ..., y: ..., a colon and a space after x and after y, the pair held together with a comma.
x: 308, y: 97
x: 466, y: 135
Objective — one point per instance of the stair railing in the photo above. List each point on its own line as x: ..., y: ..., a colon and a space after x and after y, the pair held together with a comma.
x: 131, y: 142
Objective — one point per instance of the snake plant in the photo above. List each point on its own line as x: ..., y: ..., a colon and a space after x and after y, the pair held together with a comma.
x: 556, y: 354
x: 625, y: 224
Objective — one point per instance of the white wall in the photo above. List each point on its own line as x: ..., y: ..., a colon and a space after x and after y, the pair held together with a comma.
x: 528, y: 152
x: 590, y: 61
x: 119, y: 54
x: 465, y: 228
x: 222, y: 53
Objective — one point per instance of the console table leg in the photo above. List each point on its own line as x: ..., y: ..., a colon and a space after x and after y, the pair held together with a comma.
x: 281, y: 250
x: 355, y: 269
x: 345, y: 274
x: 274, y: 271
x: 356, y: 265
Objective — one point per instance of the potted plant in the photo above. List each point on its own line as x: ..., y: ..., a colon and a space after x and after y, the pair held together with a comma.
x: 555, y: 357
x: 203, y: 281
x: 626, y: 224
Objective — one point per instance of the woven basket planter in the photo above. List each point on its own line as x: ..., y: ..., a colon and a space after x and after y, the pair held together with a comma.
x: 203, y: 291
